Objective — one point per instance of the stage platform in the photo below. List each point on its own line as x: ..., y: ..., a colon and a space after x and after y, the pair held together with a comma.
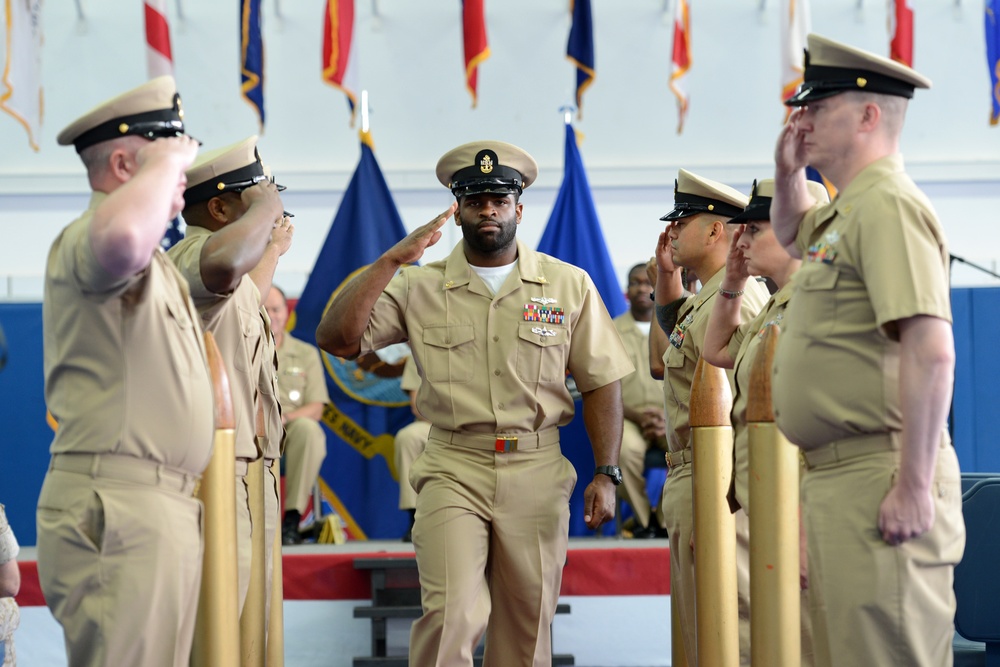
x: 618, y: 591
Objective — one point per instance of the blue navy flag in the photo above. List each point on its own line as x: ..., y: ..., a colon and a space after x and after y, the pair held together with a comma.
x: 252, y: 56
x: 367, y: 405
x: 992, y: 25
x: 580, y: 48
x: 573, y: 233
x: 172, y: 235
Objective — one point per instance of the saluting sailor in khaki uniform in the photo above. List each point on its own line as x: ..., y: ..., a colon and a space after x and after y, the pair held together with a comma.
x: 863, y: 372
x: 493, y: 329
x: 119, y: 533
x: 303, y: 395
x: 236, y: 232
x: 697, y: 239
x: 731, y: 342
x: 409, y: 443
x: 642, y: 398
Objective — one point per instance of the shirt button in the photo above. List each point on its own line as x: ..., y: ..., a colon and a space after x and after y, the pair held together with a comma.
x: 499, y: 406
x: 496, y: 305
x: 496, y: 372
x: 496, y: 338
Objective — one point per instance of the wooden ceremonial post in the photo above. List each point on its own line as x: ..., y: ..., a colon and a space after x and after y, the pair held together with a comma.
x: 217, y: 629
x: 677, y: 656
x: 775, y: 620
x: 253, y: 628
x: 276, y: 619
x: 714, y: 524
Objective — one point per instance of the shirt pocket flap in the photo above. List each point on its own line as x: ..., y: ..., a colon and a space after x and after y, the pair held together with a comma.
x: 542, y: 334
x: 449, y: 336
x: 815, y: 281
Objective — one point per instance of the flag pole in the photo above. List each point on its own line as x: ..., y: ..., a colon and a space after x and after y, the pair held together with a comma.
x: 364, y: 112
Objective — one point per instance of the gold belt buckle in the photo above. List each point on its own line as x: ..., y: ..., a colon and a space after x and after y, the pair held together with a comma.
x: 506, y: 444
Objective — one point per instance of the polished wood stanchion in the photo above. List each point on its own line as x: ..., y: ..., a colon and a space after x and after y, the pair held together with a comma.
x: 276, y: 618
x: 714, y: 524
x: 217, y: 637
x: 775, y: 621
x: 253, y: 620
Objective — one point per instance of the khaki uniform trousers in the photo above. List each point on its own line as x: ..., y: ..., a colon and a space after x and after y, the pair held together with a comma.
x: 119, y: 563
x: 632, y: 461
x: 677, y: 506
x: 305, y: 449
x: 410, y: 443
x: 490, y: 537
x: 244, y: 527
x: 872, y: 603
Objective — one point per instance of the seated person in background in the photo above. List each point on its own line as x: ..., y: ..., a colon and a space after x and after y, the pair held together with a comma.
x: 302, y: 395
x: 10, y: 584
x: 410, y: 442
x: 642, y: 396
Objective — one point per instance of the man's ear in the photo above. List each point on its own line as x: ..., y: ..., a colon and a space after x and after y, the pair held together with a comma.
x: 870, y: 116
x: 121, y: 163
x: 218, y: 210
x: 458, y: 220
x: 519, y: 211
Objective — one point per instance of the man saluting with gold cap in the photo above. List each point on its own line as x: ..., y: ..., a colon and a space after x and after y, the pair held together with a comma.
x: 493, y: 329
x: 863, y: 372
x: 119, y: 533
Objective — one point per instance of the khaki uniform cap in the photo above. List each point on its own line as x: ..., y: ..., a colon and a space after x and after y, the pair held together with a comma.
x: 152, y: 110
x: 832, y: 68
x: 486, y: 166
x: 231, y: 168
x: 761, y: 195
x: 694, y: 194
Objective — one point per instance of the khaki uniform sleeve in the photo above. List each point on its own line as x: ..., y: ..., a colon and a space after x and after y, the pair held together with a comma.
x: 386, y: 324
x: 597, y: 355
x: 316, y: 391
x: 75, y: 255
x: 186, y: 256
x: 904, y: 262
x: 411, y: 376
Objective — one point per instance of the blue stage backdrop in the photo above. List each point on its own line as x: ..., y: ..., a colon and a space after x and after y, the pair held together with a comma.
x: 25, y: 437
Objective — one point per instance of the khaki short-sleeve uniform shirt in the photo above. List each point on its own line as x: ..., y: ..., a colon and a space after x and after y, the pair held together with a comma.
x: 269, y: 393
x: 687, y: 340
x: 639, y: 388
x: 874, y: 255
x: 411, y: 376
x: 497, y: 364
x: 743, y: 349
x: 301, y: 379
x: 125, y: 368
x: 234, y: 319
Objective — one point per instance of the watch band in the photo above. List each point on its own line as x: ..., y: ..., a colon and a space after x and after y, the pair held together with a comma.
x: 614, y: 472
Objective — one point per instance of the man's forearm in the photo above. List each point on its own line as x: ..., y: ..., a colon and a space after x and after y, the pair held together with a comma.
x: 313, y: 411
x: 790, y: 203
x: 666, y: 316
x: 604, y: 420
x: 344, y: 323
x: 926, y: 371
x: 263, y: 274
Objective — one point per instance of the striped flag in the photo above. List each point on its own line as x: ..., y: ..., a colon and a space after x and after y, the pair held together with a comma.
x: 252, y: 56
x: 474, y: 38
x: 993, y: 57
x: 159, y: 58
x: 21, y: 95
x: 580, y: 49
x: 901, y: 31
x: 340, y: 63
x: 681, y: 59
x: 794, y: 29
